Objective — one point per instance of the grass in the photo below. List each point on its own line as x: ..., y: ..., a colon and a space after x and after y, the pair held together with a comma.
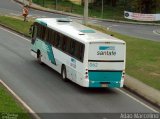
x: 143, y: 56
x: 17, y: 24
x: 9, y: 106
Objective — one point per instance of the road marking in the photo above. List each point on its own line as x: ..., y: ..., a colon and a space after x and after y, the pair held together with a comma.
x: 15, y: 34
x: 138, y: 101
x: 95, y: 21
x: 111, y: 26
x: 116, y: 89
x: 155, y: 32
x: 20, y: 100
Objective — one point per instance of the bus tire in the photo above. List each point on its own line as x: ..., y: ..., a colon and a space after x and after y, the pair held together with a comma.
x: 64, y: 73
x: 39, y: 57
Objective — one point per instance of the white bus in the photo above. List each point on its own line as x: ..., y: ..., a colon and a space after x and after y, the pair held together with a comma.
x: 80, y: 54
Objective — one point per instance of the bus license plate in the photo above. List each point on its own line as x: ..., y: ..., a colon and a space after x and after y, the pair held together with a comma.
x: 104, y: 85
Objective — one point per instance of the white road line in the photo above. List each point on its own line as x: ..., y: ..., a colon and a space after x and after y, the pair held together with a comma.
x: 20, y: 100
x: 112, y: 26
x: 155, y: 32
x: 138, y: 101
x: 15, y: 34
x: 117, y: 89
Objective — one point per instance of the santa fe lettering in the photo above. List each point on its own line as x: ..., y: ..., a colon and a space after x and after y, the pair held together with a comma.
x: 110, y: 53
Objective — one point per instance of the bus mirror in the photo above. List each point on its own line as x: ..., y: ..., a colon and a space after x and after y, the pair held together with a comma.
x: 31, y: 29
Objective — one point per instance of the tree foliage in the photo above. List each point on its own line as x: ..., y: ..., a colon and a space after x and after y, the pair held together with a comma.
x: 140, y: 6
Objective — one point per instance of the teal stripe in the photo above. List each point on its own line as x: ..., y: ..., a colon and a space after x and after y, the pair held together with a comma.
x: 111, y: 78
x: 105, y: 76
x: 50, y: 53
x: 41, y: 22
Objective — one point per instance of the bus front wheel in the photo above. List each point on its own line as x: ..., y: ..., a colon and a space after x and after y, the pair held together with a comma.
x: 39, y: 57
x: 64, y: 74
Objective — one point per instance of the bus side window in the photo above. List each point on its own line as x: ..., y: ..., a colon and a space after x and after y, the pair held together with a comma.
x: 64, y: 44
x: 52, y: 37
x: 81, y: 52
x: 60, y: 41
x: 57, y: 39
x: 78, y: 51
x: 68, y: 45
x: 72, y: 47
x: 34, y: 34
x: 46, y: 37
x: 38, y: 30
x: 43, y: 32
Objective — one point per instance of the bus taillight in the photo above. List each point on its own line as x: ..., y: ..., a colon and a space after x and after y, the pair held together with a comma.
x: 86, y: 74
x: 123, y: 74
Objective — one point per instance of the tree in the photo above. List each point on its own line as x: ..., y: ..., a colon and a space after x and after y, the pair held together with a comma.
x: 112, y: 3
x: 141, y: 6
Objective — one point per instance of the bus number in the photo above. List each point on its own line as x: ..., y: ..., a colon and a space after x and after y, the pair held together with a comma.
x: 93, y: 64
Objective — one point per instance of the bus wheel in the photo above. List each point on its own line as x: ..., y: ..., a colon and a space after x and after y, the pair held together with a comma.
x: 39, y: 57
x: 64, y: 74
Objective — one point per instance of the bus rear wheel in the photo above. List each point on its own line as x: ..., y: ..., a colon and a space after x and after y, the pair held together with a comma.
x: 64, y: 74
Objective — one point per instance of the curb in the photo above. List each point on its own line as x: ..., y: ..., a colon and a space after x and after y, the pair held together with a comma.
x: 31, y: 112
x: 131, y: 84
x: 144, y: 91
x: 81, y: 17
x: 158, y: 31
x: 14, y: 30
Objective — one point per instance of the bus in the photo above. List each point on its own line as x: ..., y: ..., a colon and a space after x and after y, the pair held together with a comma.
x: 79, y: 53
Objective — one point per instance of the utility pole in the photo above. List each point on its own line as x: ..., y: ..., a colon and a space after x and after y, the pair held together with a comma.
x: 102, y: 9
x: 56, y: 5
x: 85, y: 12
x: 43, y: 3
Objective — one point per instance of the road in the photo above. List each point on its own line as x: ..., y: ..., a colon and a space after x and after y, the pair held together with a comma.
x: 44, y: 91
x: 139, y: 31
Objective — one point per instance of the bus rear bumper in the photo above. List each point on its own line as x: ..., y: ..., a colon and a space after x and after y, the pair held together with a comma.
x: 97, y: 84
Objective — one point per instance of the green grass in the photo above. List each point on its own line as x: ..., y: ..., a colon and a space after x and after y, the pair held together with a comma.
x: 17, y: 24
x: 8, y: 105
x: 143, y: 56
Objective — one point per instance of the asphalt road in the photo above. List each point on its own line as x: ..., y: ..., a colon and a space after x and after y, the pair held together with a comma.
x: 44, y: 91
x: 139, y: 31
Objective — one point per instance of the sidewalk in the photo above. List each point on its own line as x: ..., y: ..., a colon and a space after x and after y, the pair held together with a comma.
x: 131, y: 83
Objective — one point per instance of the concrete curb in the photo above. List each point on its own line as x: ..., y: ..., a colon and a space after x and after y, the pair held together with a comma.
x: 158, y: 31
x: 148, y: 93
x: 31, y: 112
x: 14, y: 30
x: 37, y: 7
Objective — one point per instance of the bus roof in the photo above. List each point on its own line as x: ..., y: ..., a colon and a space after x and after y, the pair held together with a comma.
x: 76, y: 30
